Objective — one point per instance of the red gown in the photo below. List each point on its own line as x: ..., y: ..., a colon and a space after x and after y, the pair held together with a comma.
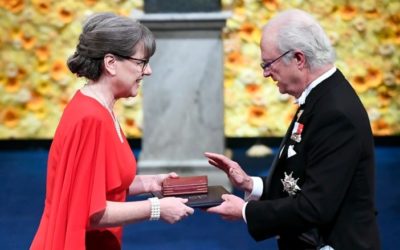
x: 87, y: 165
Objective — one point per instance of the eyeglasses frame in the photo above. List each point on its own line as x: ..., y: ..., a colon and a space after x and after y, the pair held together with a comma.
x: 143, y: 61
x: 265, y: 65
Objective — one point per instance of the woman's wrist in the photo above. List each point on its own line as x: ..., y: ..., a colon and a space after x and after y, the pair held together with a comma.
x: 155, y: 210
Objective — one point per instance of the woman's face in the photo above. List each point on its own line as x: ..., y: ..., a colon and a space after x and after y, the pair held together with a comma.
x: 131, y: 72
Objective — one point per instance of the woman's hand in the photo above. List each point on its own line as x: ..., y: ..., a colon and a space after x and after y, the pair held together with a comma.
x: 155, y: 183
x: 149, y: 183
x: 174, y: 209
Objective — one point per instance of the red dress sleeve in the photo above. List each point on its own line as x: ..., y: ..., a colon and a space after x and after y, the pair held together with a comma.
x: 84, y: 170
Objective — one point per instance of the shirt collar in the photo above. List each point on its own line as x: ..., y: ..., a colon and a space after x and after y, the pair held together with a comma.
x: 302, y: 99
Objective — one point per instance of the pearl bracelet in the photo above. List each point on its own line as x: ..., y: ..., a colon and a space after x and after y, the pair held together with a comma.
x: 155, y: 208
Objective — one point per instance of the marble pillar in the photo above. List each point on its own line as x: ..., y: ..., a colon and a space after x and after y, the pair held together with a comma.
x: 183, y: 111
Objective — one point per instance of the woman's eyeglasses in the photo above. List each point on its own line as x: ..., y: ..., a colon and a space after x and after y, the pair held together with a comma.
x: 142, y: 62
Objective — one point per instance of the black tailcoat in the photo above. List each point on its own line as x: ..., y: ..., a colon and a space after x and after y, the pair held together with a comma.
x: 334, y: 164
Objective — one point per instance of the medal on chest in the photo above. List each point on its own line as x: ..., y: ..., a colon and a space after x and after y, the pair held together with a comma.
x: 296, y: 132
x: 290, y: 184
x: 297, y: 128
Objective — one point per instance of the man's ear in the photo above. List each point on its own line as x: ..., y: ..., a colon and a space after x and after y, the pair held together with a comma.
x: 110, y: 64
x: 300, y: 59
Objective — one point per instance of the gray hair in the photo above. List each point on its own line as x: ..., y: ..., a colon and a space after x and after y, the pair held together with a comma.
x: 105, y: 33
x: 297, y: 29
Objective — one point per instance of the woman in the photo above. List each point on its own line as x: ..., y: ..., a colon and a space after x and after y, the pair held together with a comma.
x: 91, y: 168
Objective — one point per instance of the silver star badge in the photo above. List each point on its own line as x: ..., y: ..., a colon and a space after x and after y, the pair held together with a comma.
x: 290, y: 184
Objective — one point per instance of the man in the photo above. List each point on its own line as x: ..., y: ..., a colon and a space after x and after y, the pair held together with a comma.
x: 320, y: 190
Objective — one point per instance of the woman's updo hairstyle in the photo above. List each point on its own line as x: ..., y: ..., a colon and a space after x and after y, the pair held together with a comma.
x: 105, y: 33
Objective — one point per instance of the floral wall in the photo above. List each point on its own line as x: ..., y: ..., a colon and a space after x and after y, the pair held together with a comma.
x: 39, y: 35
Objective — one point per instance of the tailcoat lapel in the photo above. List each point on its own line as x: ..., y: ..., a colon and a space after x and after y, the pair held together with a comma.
x: 276, y: 158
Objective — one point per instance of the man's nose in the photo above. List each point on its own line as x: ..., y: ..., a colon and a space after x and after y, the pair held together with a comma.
x: 266, y: 72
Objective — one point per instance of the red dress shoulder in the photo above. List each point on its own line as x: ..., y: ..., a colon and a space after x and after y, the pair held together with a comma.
x: 87, y: 165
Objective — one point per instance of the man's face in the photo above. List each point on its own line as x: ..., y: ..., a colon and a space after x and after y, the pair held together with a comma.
x: 285, y: 74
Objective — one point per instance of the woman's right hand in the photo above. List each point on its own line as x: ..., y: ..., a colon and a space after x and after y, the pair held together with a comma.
x: 173, y: 209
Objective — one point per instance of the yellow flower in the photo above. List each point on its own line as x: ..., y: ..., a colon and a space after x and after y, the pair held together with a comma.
x: 257, y: 116
x: 14, y: 76
x: 359, y: 83
x: 35, y: 103
x: 90, y: 2
x: 256, y: 94
x: 42, y: 66
x: 366, y: 78
x: 347, y: 12
x: 42, y: 6
x: 14, y: 6
x: 394, y: 19
x: 15, y: 33
x: 381, y: 127
x: 42, y: 52
x: 271, y: 5
x: 384, y: 96
x: 28, y: 41
x: 396, y: 37
x: 397, y: 76
x: 373, y: 77
x: 42, y: 112
x: 372, y: 14
x: 371, y: 11
x: 10, y: 117
x: 43, y: 86
x: 234, y: 59
x: 65, y: 13
x: 131, y: 128
x: 12, y: 84
x: 58, y: 70
x: 249, y: 32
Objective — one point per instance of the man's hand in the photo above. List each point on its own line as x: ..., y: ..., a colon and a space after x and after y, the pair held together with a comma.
x: 235, y: 173
x: 230, y: 209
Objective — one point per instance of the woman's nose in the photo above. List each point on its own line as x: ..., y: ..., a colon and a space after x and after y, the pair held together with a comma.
x: 147, y: 71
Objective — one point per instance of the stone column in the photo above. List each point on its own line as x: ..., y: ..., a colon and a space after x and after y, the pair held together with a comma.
x: 183, y: 98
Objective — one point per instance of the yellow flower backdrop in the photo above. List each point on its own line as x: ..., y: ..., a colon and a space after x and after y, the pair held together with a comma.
x: 39, y: 35
x: 366, y: 36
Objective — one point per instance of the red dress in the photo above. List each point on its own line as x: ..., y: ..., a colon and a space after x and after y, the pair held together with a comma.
x: 87, y: 165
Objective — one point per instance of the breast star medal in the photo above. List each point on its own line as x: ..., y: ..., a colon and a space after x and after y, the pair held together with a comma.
x: 290, y: 184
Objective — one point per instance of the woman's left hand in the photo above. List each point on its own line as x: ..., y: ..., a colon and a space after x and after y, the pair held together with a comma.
x: 149, y: 183
x: 157, y: 180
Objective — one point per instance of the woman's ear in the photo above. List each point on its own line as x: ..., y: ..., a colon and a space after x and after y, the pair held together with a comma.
x: 110, y: 64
